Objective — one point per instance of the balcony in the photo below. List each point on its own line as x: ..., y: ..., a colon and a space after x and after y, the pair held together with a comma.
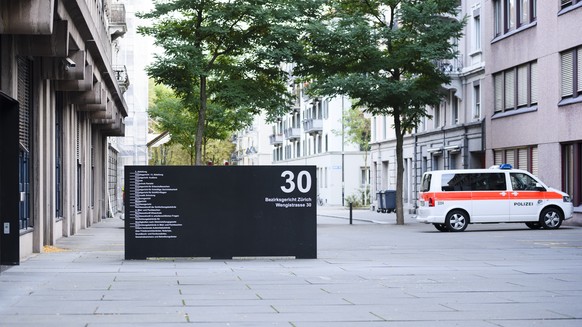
x: 450, y: 66
x: 312, y: 125
x: 117, y: 24
x: 276, y: 139
x: 121, y: 77
x: 292, y: 133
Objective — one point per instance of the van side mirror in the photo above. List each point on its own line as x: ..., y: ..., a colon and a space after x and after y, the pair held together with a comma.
x: 540, y: 188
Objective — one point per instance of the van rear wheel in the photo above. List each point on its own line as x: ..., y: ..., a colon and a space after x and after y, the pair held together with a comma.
x: 457, y: 221
x: 551, y: 218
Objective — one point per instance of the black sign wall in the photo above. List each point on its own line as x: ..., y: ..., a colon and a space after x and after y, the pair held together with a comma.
x: 220, y: 211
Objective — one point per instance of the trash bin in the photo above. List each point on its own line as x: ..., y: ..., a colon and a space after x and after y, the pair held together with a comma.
x: 380, y: 200
x: 389, y: 201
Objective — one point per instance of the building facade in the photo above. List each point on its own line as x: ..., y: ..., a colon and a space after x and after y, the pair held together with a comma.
x: 252, y: 147
x: 452, y: 138
x: 60, y: 99
x: 533, y: 89
x: 313, y: 134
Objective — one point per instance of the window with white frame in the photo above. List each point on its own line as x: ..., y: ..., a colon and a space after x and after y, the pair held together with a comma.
x: 510, y: 15
x: 516, y: 87
x: 476, y: 29
x: 437, y: 116
x: 476, y: 100
x: 571, y: 73
x: 364, y: 176
x: 454, y: 109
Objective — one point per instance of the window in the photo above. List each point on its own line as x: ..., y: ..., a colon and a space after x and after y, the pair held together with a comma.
x: 525, y: 158
x: 425, y: 184
x: 476, y: 29
x: 473, y: 182
x: 476, y: 101
x: 523, y: 182
x: 364, y: 176
x: 510, y: 15
x: 455, y: 110
x: 569, y: 3
x: 571, y: 73
x: 437, y: 116
x: 516, y: 87
x: 25, y: 97
x: 572, y: 171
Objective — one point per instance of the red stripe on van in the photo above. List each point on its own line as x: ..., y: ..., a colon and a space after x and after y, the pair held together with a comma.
x: 489, y: 195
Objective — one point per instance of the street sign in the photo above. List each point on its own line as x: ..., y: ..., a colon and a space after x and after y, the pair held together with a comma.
x: 220, y: 211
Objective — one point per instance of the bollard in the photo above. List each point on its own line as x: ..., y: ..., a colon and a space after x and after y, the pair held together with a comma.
x: 350, y: 213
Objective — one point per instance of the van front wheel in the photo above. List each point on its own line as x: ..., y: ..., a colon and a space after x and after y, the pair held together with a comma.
x: 457, y: 221
x: 551, y: 218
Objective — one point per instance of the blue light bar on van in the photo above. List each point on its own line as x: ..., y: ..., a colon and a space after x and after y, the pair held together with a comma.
x: 505, y: 166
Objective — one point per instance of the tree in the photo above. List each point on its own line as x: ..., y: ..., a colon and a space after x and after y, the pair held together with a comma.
x: 229, y: 52
x: 171, y: 115
x: 357, y: 131
x: 383, y: 54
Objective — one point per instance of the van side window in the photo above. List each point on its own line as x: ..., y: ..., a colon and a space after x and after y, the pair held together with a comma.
x: 456, y: 182
x: 473, y: 182
x: 425, y: 186
x: 522, y: 182
x: 496, y: 182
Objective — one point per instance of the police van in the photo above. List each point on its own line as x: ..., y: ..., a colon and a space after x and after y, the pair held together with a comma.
x: 452, y: 199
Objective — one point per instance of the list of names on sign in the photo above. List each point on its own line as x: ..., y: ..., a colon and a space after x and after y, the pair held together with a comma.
x: 150, y: 217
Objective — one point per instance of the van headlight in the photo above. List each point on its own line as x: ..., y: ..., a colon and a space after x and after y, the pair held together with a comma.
x: 567, y: 198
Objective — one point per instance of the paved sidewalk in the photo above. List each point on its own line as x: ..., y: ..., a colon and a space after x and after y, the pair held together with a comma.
x: 366, y: 274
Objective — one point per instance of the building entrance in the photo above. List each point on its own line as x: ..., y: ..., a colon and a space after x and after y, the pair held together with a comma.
x: 9, y: 194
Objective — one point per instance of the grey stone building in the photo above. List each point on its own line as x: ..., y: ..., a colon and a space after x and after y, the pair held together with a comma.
x: 60, y: 98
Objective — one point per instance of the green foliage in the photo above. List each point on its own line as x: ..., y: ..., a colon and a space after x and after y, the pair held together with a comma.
x: 229, y: 52
x: 383, y: 54
x: 354, y: 199
x: 357, y: 128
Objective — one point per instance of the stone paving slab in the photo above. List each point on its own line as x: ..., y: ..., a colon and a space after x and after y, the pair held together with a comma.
x: 366, y: 274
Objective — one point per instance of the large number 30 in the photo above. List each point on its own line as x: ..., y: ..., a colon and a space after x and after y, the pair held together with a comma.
x: 303, y: 181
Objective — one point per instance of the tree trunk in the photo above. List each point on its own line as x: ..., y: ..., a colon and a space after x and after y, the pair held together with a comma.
x: 399, y: 168
x: 201, y: 121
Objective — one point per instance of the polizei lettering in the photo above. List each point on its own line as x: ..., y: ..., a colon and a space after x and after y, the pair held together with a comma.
x: 523, y: 204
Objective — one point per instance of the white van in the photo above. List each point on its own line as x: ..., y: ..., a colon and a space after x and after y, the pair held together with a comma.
x: 452, y: 199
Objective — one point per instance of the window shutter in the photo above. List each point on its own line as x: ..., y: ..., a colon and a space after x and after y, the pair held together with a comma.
x: 25, y: 100
x: 522, y: 159
x: 522, y: 85
x: 579, y: 70
x: 509, y: 89
x: 510, y: 157
x: 498, y: 81
x: 534, y: 160
x: 534, y: 82
x: 567, y: 74
x: 498, y: 157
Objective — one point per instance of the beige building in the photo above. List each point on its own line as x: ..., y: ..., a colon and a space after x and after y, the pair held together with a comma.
x: 60, y: 98
x: 533, y: 89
